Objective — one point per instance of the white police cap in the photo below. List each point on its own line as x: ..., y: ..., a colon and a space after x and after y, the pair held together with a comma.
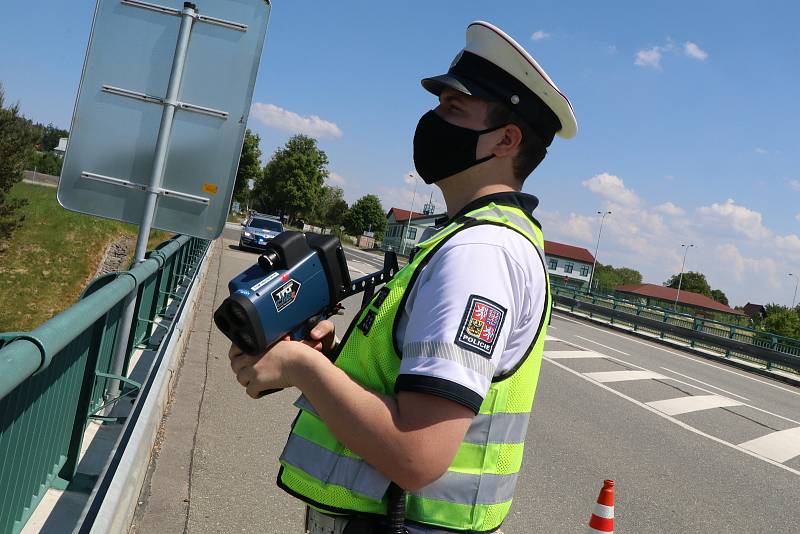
x: 493, y: 66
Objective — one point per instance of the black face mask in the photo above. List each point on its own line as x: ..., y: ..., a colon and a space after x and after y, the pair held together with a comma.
x: 442, y: 149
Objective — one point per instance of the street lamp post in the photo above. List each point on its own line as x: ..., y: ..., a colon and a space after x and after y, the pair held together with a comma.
x: 597, y: 246
x: 408, y: 225
x: 796, y: 281
x: 680, y: 277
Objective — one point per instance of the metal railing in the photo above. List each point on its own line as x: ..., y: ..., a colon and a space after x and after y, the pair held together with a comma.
x: 53, y: 379
x: 727, y: 340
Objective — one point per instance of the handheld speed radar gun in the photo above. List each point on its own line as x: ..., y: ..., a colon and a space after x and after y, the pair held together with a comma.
x: 299, y: 280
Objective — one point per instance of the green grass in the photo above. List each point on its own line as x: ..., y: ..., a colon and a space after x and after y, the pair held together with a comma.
x: 51, y: 258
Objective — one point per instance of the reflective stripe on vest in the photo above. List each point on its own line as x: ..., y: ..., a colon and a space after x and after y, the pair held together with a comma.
x: 475, y: 492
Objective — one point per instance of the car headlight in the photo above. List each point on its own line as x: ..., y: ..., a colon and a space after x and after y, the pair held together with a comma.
x: 248, y: 234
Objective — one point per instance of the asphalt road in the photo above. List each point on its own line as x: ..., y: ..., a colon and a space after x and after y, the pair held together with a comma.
x: 726, y: 460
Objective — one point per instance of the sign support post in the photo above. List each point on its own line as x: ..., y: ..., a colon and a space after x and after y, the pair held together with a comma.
x: 165, y: 129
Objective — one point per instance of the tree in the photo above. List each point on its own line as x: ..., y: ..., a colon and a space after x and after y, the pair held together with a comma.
x: 249, y: 165
x: 49, y: 136
x: 365, y: 215
x: 16, y: 143
x: 782, y: 321
x: 692, y: 281
x: 609, y: 277
x: 330, y: 208
x: 293, y: 179
x: 44, y: 162
x: 719, y: 296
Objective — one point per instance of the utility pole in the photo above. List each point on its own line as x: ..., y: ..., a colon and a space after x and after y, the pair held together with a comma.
x: 796, y: 281
x: 597, y: 246
x: 680, y: 277
x: 408, y: 225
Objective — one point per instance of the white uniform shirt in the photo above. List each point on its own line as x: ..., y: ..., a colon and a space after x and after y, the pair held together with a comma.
x: 472, y: 313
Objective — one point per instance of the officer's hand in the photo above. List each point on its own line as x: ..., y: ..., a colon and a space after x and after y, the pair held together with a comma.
x: 322, y: 337
x: 271, y: 370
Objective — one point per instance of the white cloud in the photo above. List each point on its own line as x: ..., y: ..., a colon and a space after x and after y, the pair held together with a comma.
x: 740, y: 266
x: 612, y: 188
x: 794, y: 185
x: 797, y: 216
x: 694, y: 51
x: 410, y: 177
x: 668, y: 208
x: 649, y: 57
x: 289, y: 121
x: 761, y: 151
x: 540, y: 35
x: 669, y: 178
x: 741, y: 219
x: 789, y: 243
x: 336, y: 179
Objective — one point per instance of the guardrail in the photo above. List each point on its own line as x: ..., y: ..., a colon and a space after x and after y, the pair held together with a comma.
x: 53, y: 379
x: 725, y: 339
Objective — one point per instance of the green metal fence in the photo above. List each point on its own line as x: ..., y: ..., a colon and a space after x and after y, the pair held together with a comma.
x: 724, y: 331
x: 53, y: 379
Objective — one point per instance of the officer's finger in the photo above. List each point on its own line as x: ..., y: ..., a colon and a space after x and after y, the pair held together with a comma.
x: 239, y: 362
x: 234, y: 351
x: 244, y: 376
x: 322, y: 329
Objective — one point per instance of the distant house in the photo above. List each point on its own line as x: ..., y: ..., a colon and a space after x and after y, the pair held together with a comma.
x: 62, y: 146
x: 664, y: 297
x: 755, y: 310
x: 568, y: 264
x: 398, y: 225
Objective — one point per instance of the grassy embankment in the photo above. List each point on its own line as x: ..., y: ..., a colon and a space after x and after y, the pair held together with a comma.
x: 52, y: 257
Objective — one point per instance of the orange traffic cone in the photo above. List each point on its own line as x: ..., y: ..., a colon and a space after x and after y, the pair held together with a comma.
x: 602, y: 519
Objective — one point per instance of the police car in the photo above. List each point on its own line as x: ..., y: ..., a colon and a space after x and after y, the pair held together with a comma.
x: 258, y: 230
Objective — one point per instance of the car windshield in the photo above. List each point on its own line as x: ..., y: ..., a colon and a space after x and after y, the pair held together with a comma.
x: 266, y: 224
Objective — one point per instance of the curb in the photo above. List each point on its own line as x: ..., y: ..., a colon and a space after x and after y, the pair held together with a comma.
x: 115, y: 512
x: 719, y: 359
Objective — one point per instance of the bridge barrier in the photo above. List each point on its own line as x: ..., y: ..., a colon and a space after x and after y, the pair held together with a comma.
x: 53, y: 379
x: 724, y: 339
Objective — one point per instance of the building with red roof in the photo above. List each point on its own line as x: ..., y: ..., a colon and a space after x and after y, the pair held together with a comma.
x: 411, y: 224
x: 664, y: 297
x: 568, y: 264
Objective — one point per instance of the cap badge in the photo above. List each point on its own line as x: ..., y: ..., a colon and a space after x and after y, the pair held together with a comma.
x: 514, y: 99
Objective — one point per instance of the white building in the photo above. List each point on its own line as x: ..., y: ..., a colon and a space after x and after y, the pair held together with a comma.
x: 568, y: 265
x: 398, y: 224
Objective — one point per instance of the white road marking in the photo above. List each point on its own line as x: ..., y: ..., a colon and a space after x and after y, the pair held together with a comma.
x: 572, y: 354
x: 604, y: 346
x: 623, y: 376
x: 690, y: 358
x: 548, y: 337
x: 779, y: 446
x: 676, y: 421
x: 705, y: 383
x: 692, y: 403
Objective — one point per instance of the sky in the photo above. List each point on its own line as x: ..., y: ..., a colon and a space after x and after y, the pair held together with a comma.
x: 687, y: 115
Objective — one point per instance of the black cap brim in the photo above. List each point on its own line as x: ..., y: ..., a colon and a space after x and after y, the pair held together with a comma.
x: 461, y: 84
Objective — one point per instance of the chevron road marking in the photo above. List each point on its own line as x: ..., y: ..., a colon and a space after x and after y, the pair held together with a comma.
x: 686, y: 426
x: 622, y: 376
x: 690, y: 358
x: 572, y: 354
x: 779, y: 446
x: 692, y: 403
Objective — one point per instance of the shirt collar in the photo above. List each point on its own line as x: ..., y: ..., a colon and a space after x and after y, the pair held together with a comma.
x: 517, y: 199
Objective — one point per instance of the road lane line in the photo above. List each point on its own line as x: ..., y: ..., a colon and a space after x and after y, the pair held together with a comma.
x: 572, y: 354
x: 675, y: 421
x: 705, y: 383
x: 690, y: 358
x: 692, y: 403
x: 604, y: 346
x: 548, y: 337
x: 623, y: 376
x: 779, y: 446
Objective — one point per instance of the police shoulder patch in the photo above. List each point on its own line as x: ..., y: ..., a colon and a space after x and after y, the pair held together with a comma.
x: 480, y: 326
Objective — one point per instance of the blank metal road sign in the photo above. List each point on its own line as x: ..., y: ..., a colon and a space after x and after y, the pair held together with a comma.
x: 132, y: 137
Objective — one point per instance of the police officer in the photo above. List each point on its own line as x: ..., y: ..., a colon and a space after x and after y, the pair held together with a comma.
x: 433, y: 383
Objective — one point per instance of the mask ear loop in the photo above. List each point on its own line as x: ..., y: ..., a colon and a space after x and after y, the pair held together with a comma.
x: 480, y: 133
